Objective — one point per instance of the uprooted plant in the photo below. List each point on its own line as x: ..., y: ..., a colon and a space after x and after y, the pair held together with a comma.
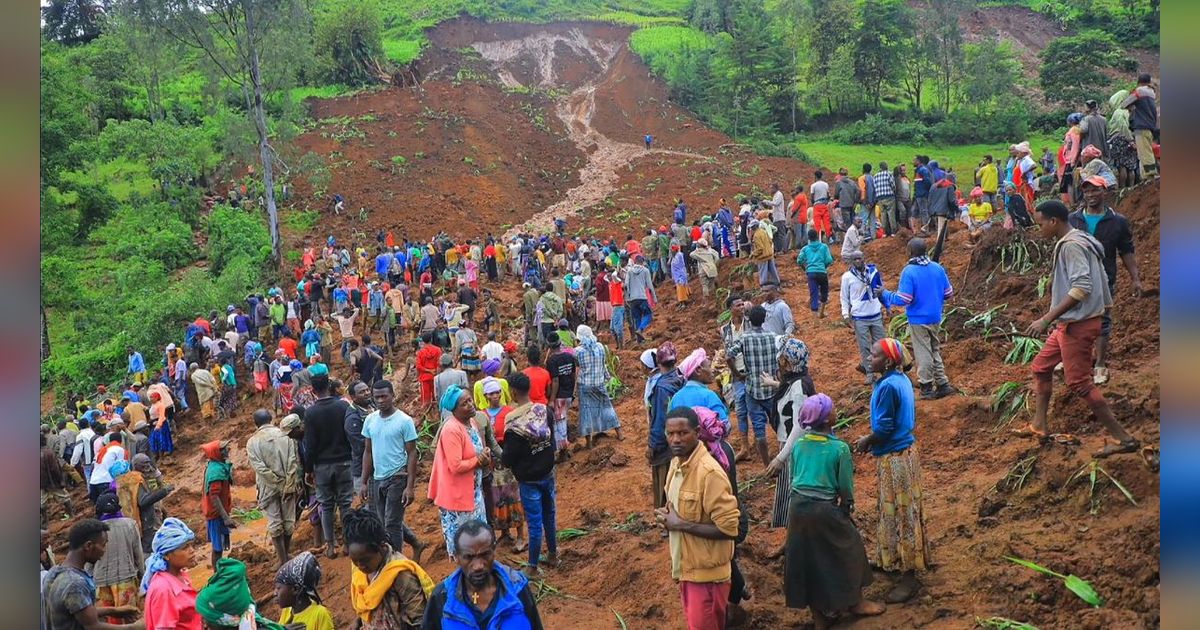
x: 985, y: 321
x: 1024, y: 349
x: 1093, y: 472
x: 898, y: 328
x: 1002, y: 623
x: 1076, y: 585
x: 1015, y: 478
x: 1009, y: 401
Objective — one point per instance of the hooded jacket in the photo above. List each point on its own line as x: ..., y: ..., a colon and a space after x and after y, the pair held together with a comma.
x: 1078, y: 271
x: 514, y: 608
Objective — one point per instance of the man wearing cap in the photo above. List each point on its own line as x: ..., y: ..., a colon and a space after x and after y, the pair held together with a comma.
x: 762, y: 253
x: 276, y: 463
x: 1112, y: 229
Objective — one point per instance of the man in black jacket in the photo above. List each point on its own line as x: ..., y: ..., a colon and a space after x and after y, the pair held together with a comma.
x: 1112, y: 230
x: 328, y: 449
x: 529, y: 453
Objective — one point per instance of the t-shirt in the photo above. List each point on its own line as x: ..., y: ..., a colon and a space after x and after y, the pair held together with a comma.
x: 315, y: 617
x: 539, y: 383
x: 980, y: 211
x: 68, y: 591
x: 819, y: 191
x: 563, y: 366
x: 616, y: 292
x: 1092, y: 221
x: 346, y: 325
x: 171, y: 603
x: 289, y: 346
x: 388, y: 436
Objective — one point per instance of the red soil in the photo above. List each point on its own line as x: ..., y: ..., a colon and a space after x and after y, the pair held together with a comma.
x: 622, y: 565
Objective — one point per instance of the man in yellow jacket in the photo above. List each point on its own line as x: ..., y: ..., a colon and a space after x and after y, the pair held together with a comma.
x: 762, y: 253
x: 701, y: 518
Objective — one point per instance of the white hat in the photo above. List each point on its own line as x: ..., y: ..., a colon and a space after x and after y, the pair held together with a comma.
x: 649, y: 358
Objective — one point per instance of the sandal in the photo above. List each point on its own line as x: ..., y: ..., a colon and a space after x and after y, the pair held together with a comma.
x: 1150, y: 455
x: 1066, y: 439
x: 1029, y: 431
x: 1128, y: 446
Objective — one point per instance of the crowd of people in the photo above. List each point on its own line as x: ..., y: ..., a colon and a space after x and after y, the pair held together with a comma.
x: 329, y: 428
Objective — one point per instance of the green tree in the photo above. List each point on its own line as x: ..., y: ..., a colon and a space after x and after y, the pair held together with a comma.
x: 710, y: 16
x: 350, y: 43
x: 66, y: 113
x: 1072, y: 69
x: 990, y: 69
x: 881, y: 35
x: 945, y: 46
x: 831, y: 64
x: 72, y: 22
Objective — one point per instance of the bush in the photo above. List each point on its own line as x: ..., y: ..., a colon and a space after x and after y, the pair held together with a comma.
x: 875, y: 129
x: 234, y: 233
x: 348, y: 40
x: 1002, y: 121
x: 151, y: 231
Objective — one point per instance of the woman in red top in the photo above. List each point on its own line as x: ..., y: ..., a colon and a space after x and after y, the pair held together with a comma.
x: 616, y: 295
x: 539, y: 378
x: 603, y: 303
x: 427, y: 361
x: 170, y: 597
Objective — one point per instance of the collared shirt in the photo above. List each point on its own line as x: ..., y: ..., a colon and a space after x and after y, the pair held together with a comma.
x: 276, y: 463
x: 699, y: 490
x: 136, y: 363
x: 884, y: 184
x: 779, y: 318
x: 757, y: 348
x: 592, y: 372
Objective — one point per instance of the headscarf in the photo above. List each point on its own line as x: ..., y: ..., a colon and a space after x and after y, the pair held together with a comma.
x: 302, y: 573
x: 1022, y: 147
x: 649, y: 358
x: 172, y: 535
x: 510, y: 347
x: 977, y: 192
x: 108, y: 507
x: 227, y: 602
x: 667, y: 352
x: 308, y: 324
x: 290, y: 423
x: 712, y: 432
x: 492, y: 386
x: 893, y: 350
x: 585, y: 335
x: 490, y: 367
x: 1091, y: 152
x: 216, y: 470
x: 796, y: 353
x: 815, y: 411
x: 1118, y: 121
x: 1073, y: 118
x: 692, y: 362
x: 450, y: 399
x: 118, y: 468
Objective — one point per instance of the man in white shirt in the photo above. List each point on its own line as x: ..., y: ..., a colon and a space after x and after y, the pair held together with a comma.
x: 861, y: 309
x: 778, y: 205
x: 101, y: 476
x: 779, y: 315
x: 84, y: 454
x: 852, y: 243
x: 492, y: 349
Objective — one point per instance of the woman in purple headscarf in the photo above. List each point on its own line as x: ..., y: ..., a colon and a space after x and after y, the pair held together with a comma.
x: 490, y: 368
x: 825, y: 564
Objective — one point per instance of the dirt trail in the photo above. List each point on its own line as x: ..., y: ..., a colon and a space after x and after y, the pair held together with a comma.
x: 598, y: 177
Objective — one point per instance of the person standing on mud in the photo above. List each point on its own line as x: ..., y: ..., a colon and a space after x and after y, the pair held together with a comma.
x: 701, y: 517
x: 1079, y: 297
x: 276, y: 463
x: 639, y: 288
x: 778, y: 206
x: 903, y: 546
x: 923, y: 289
x: 756, y: 349
x: 861, y: 310
x: 762, y: 253
x: 1112, y: 230
x: 328, y: 454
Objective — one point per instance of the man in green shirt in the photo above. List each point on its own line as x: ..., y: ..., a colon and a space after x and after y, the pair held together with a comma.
x: 278, y: 318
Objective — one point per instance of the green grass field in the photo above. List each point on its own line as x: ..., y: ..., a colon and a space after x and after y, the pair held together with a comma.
x: 962, y: 158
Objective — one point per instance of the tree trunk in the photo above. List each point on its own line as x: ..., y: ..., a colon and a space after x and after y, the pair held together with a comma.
x: 795, y: 81
x: 45, y: 332
x: 260, y: 125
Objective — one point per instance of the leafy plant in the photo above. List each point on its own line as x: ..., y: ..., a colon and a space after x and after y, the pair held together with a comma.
x: 1024, y: 350
x: 246, y: 515
x: 1042, y: 285
x: 1092, y: 471
x: 984, y: 320
x: 1076, y: 585
x: 1009, y: 400
x: 621, y: 620
x: 898, y: 328
x: 572, y: 533
x: 1016, y: 476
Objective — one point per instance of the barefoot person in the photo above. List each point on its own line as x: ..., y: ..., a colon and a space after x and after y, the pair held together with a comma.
x: 903, y: 546
x: 1079, y: 296
x: 825, y: 564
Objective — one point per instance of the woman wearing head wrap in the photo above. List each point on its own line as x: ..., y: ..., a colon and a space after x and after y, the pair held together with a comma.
x: 116, y: 573
x: 491, y: 368
x: 161, y: 443
x: 170, y: 597
x: 1122, y: 151
x: 696, y: 391
x: 712, y: 433
x: 206, y: 390
x: 226, y: 602
x: 790, y: 393
x: 503, y: 497
x: 217, y: 501
x: 140, y: 490
x: 596, y: 413
x: 296, y: 593
x: 387, y: 590
x: 903, y: 546
x: 456, y: 479
x: 825, y: 562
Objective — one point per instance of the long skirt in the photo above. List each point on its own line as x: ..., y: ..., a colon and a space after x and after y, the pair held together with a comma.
x: 596, y: 413
x: 901, y: 539
x: 228, y: 399
x: 208, y: 408
x: 451, y: 520
x: 603, y: 311
x: 783, y: 497
x: 160, y: 440
x: 506, y: 500
x: 825, y: 564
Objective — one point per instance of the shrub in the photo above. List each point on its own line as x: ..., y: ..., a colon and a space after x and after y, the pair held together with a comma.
x: 234, y: 233
x: 151, y: 231
x: 349, y: 39
x: 875, y: 129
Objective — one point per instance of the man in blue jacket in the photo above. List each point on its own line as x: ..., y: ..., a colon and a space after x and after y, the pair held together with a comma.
x: 924, y: 287
x: 481, y: 594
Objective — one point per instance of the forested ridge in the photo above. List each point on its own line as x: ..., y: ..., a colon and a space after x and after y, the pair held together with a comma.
x: 154, y: 109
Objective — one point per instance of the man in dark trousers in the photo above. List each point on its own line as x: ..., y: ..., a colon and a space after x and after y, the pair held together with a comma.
x: 327, y: 465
